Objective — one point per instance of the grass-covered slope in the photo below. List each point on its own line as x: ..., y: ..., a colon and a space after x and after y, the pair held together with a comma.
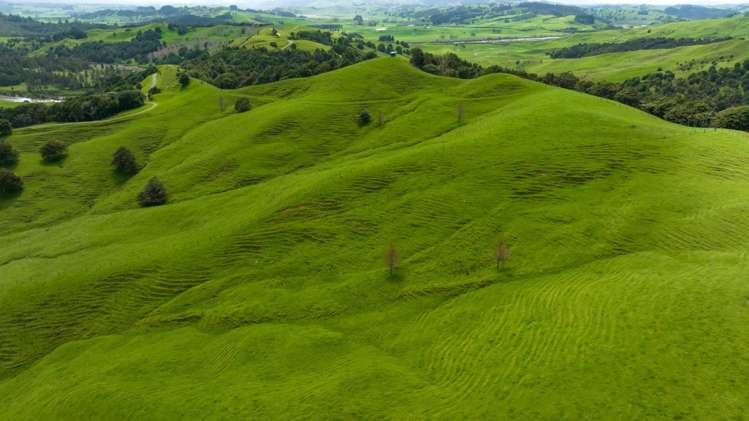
x: 260, y: 290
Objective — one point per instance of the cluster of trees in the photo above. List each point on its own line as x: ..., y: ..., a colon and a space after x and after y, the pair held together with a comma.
x: 17, y: 67
x: 592, y: 49
x: 446, y: 65
x: 53, y: 151
x: 322, y: 37
x: 137, y: 49
x: 709, y: 98
x: 82, y: 108
x: 236, y: 67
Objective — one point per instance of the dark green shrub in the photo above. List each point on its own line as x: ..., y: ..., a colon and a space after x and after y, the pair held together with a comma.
x: 154, y: 194
x: 184, y: 80
x: 736, y: 118
x: 5, y: 128
x: 364, y: 118
x: 54, y: 151
x: 242, y: 105
x: 9, y: 182
x: 124, y: 162
x: 8, y: 155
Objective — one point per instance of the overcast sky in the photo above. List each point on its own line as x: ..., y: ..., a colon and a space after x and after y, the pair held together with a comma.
x: 281, y: 3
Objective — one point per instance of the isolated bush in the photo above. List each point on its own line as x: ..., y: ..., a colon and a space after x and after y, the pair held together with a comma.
x: 364, y: 118
x: 5, y: 128
x: 242, y: 105
x: 153, y: 91
x: 53, y: 151
x: 124, y: 161
x: 184, y: 79
x: 8, y: 155
x: 736, y: 118
x: 154, y: 194
x: 9, y: 182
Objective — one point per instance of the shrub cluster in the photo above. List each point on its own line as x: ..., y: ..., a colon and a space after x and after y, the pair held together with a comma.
x: 53, y: 151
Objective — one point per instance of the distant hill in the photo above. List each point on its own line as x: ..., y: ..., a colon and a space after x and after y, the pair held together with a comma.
x: 697, y: 12
x: 17, y: 26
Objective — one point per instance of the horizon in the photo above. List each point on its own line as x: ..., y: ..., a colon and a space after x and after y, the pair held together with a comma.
x: 270, y: 4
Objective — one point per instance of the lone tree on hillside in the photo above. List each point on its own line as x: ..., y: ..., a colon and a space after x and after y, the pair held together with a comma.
x: 53, y: 151
x: 184, y: 79
x: 153, y: 91
x: 5, y: 128
x: 242, y: 105
x: 461, y: 112
x: 501, y: 254
x: 154, y: 194
x: 392, y: 259
x: 9, y: 182
x: 124, y: 162
x: 364, y: 118
x: 8, y: 155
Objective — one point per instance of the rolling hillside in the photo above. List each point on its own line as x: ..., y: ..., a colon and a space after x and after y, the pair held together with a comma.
x: 260, y: 290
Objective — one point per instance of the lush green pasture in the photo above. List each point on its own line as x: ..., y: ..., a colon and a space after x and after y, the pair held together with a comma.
x: 260, y: 291
x: 532, y: 55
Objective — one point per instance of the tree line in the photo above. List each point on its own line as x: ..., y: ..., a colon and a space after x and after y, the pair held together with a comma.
x: 233, y: 67
x: 82, y: 108
x: 593, y: 49
x: 716, y: 97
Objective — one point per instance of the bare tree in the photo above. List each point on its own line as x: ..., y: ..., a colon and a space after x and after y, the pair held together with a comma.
x: 221, y: 104
x: 461, y: 112
x: 380, y: 119
x: 502, y: 254
x: 392, y: 259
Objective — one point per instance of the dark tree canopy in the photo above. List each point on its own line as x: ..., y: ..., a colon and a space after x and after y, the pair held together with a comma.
x: 364, y: 118
x: 5, y: 128
x: 736, y: 118
x: 184, y: 80
x: 53, y: 151
x: 242, y: 105
x: 154, y: 194
x: 9, y: 182
x: 8, y: 155
x: 124, y: 162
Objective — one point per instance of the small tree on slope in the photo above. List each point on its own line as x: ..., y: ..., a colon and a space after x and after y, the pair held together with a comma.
x: 8, y: 155
x: 154, y: 194
x: 53, y: 151
x: 9, y: 182
x: 5, y: 128
x: 124, y: 162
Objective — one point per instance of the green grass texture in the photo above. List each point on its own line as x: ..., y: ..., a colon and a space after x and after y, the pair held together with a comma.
x: 260, y: 291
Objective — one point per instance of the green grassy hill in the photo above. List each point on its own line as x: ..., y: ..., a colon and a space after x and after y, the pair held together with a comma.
x: 260, y: 290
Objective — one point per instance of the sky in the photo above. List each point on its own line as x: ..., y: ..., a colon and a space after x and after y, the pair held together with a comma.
x: 267, y: 4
